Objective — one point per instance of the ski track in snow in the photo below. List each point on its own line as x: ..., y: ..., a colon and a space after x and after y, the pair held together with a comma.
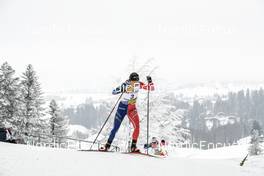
x: 20, y: 160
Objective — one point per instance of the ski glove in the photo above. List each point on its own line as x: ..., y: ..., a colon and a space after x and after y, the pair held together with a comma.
x: 119, y: 89
x: 149, y: 79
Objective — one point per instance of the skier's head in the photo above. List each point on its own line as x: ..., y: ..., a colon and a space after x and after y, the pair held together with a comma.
x: 134, y: 77
x: 154, y: 140
x: 163, y: 142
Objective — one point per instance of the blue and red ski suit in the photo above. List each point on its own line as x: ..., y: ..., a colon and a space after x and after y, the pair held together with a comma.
x: 127, y: 106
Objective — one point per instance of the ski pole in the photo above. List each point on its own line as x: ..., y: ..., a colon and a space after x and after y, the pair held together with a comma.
x: 148, y: 117
x: 244, y: 160
x: 106, y: 121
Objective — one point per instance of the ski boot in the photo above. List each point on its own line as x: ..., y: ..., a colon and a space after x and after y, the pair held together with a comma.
x: 105, y: 148
x: 134, y: 148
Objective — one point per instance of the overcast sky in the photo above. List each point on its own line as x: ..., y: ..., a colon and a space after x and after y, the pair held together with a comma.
x: 77, y: 43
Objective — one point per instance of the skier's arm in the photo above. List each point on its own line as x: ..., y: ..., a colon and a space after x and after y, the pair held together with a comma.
x: 119, y: 89
x: 149, y: 86
x: 146, y: 146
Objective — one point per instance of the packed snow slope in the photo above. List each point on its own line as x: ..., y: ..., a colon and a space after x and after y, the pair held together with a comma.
x: 21, y: 160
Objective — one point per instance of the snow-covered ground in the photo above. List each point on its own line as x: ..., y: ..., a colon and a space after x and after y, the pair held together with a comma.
x: 21, y: 160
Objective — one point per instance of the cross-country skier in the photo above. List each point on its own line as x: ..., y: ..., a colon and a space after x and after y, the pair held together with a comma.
x: 127, y: 106
x: 156, y: 147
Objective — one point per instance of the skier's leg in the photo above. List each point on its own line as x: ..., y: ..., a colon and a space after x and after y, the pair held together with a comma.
x: 120, y: 114
x: 134, y: 119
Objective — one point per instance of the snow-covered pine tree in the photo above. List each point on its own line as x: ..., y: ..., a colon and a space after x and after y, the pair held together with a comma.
x: 255, y: 148
x: 165, y: 119
x: 58, y: 123
x: 9, y: 97
x: 32, y: 109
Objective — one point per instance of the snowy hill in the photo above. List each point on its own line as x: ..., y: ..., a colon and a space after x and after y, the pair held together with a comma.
x: 209, y: 89
x: 21, y: 160
x: 70, y: 99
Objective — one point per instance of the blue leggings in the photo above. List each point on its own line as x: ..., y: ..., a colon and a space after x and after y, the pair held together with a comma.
x: 123, y: 110
x: 119, y: 117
